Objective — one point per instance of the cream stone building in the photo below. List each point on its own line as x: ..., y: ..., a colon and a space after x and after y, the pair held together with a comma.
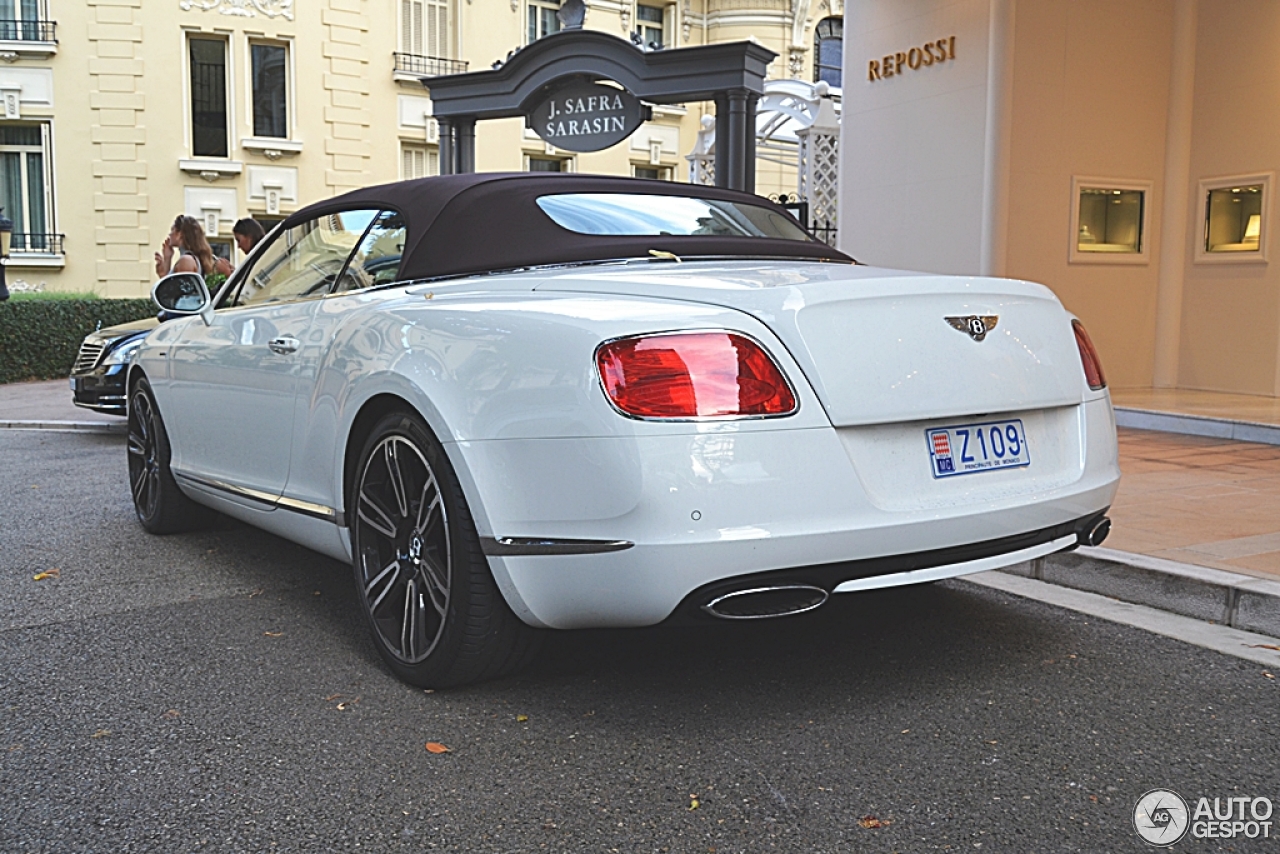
x: 121, y: 114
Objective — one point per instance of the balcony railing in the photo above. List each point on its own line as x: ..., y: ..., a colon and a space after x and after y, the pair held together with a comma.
x: 37, y: 244
x: 28, y: 31
x: 428, y: 66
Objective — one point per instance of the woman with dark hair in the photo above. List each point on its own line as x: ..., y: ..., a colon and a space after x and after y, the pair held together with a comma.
x: 195, y: 256
x: 247, y: 233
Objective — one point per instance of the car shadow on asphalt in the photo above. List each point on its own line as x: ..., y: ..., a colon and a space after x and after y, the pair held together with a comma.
x: 856, y: 642
x: 934, y: 629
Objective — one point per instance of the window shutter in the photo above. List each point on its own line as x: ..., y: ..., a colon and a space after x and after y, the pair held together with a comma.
x: 411, y: 36
x: 437, y: 29
x: 418, y: 162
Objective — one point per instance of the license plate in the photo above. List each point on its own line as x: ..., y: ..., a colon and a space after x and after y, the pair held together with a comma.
x: 971, y: 448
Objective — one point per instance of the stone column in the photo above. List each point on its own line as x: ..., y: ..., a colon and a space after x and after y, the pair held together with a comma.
x: 723, y: 145
x: 447, y: 156
x: 466, y: 144
x: 749, y: 156
x: 1177, y: 196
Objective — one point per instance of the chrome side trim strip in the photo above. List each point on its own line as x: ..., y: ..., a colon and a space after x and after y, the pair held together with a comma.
x: 528, y: 546
x: 317, y: 511
x: 255, y: 495
x: 306, y: 508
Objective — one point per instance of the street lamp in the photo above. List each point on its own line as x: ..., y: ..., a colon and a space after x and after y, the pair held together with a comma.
x: 6, y: 240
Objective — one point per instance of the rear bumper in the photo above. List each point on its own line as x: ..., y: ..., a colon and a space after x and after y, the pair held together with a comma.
x: 719, y: 508
x: 897, y: 570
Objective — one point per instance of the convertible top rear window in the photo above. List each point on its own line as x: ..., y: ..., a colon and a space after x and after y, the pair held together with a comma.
x: 491, y: 221
x: 635, y: 215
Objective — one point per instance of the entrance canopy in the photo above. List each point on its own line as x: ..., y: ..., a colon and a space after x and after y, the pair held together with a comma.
x: 730, y: 74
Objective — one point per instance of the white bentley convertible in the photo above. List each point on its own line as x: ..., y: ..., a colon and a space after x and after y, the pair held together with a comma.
x: 518, y: 401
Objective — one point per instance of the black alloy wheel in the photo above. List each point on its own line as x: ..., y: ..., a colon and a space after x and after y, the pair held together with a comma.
x: 161, y: 506
x: 144, y: 454
x: 436, y: 614
x: 406, y: 566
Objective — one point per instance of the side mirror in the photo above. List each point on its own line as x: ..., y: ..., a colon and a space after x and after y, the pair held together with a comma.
x: 183, y: 295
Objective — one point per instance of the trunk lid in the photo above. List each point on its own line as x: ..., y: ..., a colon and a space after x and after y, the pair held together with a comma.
x: 875, y: 344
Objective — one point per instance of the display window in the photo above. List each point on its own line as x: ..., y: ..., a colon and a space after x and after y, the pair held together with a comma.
x: 1234, y: 219
x: 1109, y: 221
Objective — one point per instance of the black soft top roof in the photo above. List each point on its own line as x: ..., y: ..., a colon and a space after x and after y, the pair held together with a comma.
x: 486, y: 221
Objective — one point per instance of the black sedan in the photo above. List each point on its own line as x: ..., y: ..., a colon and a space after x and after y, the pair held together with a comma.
x: 98, y: 375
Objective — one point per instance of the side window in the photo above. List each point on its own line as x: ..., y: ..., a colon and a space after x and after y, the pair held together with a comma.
x: 304, y: 260
x: 377, y: 259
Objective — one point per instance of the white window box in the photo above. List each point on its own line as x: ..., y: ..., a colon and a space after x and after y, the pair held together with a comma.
x: 211, y: 169
x: 13, y: 49
x: 19, y: 260
x: 270, y: 148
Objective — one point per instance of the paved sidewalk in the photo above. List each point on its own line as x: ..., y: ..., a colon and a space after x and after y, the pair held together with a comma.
x: 1198, y: 500
x: 1243, y: 417
x: 48, y: 405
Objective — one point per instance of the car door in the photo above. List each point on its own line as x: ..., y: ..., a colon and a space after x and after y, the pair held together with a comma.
x: 375, y: 262
x: 232, y: 382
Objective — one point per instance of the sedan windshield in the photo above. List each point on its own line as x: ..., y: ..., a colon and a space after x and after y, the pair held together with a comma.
x: 619, y: 214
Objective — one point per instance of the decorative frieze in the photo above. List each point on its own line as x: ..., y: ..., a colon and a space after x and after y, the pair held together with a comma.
x: 242, y: 8
x: 795, y: 62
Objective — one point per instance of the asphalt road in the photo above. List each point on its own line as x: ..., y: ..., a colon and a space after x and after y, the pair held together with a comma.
x: 217, y: 692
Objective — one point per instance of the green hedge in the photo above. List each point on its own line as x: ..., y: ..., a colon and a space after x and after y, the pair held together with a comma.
x: 39, y: 339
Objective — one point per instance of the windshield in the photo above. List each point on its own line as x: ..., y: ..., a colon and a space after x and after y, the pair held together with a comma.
x: 621, y: 215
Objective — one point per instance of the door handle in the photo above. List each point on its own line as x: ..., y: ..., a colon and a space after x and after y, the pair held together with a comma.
x: 284, y: 346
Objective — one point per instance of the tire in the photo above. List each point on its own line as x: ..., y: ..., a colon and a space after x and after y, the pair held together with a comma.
x: 436, y: 615
x: 161, y: 506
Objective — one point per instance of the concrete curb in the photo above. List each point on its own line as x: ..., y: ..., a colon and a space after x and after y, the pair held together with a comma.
x: 1240, y: 601
x: 1197, y: 425
x: 67, y: 426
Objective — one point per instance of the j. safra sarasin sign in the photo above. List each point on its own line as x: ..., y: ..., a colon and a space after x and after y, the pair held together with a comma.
x: 582, y: 116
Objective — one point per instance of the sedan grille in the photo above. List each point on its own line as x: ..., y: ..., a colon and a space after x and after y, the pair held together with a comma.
x: 90, y: 353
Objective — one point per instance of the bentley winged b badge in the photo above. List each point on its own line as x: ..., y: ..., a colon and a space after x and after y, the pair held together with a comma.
x: 975, y: 326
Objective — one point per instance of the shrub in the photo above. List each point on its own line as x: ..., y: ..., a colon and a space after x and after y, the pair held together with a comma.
x: 39, y: 338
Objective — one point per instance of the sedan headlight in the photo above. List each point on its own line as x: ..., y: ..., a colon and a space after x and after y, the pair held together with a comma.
x: 124, y: 352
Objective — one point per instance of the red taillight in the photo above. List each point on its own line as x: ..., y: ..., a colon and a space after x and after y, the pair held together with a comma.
x: 1089, y: 356
x: 693, y: 375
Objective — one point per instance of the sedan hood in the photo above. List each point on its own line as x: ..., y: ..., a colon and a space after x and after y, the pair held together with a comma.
x: 125, y: 330
x: 884, y: 345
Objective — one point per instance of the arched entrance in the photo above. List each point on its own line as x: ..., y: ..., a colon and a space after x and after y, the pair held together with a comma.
x: 730, y: 74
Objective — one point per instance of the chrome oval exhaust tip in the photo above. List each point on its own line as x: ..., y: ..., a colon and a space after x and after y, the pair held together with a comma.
x: 760, y: 603
x: 1095, y: 535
